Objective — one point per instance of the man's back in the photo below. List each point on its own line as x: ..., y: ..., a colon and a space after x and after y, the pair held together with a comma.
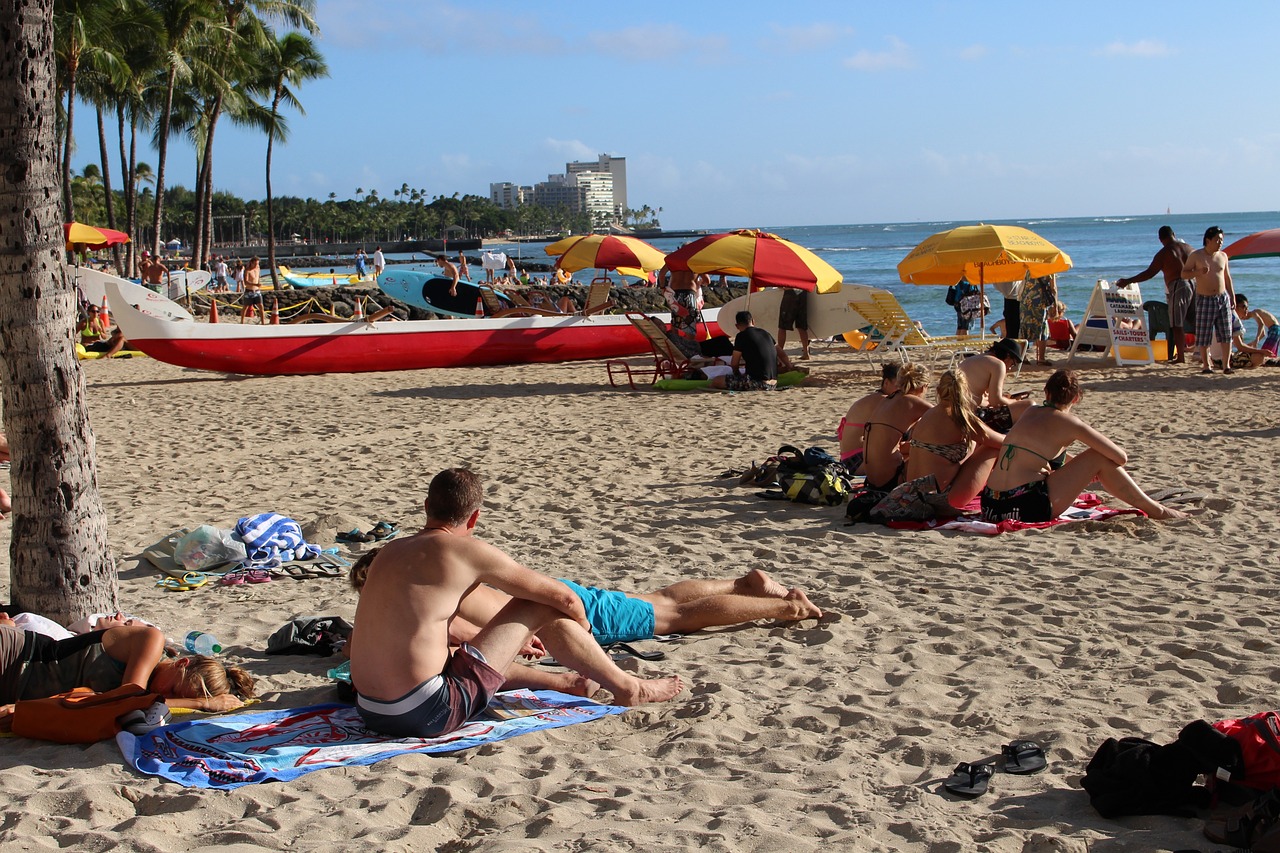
x: 985, y: 376
x: 402, y: 621
x: 759, y: 353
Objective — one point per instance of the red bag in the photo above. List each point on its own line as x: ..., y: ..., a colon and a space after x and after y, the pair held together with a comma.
x: 1259, y: 739
x: 79, y: 716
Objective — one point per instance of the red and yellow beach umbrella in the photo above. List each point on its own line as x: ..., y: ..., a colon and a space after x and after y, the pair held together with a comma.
x: 91, y: 237
x: 606, y: 252
x: 766, y: 259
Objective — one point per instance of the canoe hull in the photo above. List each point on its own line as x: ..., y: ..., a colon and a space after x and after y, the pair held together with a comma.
x: 358, y: 346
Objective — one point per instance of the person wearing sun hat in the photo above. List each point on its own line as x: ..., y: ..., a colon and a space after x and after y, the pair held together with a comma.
x: 985, y: 374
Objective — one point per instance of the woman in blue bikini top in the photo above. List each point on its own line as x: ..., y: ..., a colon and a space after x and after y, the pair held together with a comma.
x: 1044, y: 433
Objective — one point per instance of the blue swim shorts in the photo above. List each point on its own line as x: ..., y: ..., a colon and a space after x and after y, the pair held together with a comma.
x: 614, y: 616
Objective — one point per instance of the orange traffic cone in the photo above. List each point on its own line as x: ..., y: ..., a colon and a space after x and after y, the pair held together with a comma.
x: 359, y: 309
x: 479, y: 306
x: 105, y: 314
x: 213, y: 310
x: 275, y: 311
x: 335, y: 281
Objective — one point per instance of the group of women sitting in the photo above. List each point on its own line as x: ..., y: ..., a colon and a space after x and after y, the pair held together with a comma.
x: 924, y: 461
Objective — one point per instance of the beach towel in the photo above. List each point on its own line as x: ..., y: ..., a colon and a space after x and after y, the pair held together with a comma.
x: 277, y: 746
x: 272, y: 539
x: 1087, y: 507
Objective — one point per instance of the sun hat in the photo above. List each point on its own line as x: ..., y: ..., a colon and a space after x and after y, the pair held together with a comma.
x: 1010, y: 348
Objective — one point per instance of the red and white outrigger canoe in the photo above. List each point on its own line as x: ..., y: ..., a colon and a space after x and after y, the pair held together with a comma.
x: 359, y: 346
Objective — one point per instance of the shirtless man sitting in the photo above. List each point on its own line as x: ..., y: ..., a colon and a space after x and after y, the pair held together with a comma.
x: 985, y: 375
x: 409, y: 684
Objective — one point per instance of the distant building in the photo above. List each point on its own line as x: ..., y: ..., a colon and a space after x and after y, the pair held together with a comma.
x: 616, y: 168
x: 507, y: 195
x: 559, y: 190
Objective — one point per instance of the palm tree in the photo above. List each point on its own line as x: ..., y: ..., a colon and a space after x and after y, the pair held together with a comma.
x: 60, y: 563
x: 291, y: 60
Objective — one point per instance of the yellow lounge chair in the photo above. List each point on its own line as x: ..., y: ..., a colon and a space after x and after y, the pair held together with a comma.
x: 903, y: 336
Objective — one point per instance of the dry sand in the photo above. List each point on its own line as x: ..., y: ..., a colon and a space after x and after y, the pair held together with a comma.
x: 941, y: 647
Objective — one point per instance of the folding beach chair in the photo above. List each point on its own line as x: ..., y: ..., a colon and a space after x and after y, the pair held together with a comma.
x: 669, y: 361
x: 902, y: 336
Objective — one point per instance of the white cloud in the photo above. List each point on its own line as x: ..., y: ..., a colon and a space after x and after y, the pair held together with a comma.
x: 973, y: 52
x: 656, y: 42
x: 1141, y: 49
x: 569, y: 149
x: 897, y: 56
x: 807, y: 37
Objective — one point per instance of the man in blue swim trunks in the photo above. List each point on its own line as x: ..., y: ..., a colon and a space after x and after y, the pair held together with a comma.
x: 408, y: 682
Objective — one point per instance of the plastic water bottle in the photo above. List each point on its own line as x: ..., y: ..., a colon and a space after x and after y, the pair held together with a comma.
x: 202, y: 643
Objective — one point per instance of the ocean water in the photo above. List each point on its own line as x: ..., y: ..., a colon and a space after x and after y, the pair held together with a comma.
x: 1108, y: 247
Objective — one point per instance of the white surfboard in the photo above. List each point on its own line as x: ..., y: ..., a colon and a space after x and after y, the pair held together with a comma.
x: 93, y: 289
x: 829, y: 313
x: 180, y: 282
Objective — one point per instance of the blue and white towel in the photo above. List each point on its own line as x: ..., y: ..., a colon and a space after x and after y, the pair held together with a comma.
x: 271, y: 539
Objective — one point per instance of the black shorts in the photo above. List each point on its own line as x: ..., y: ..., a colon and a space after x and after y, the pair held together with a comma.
x: 793, y: 312
x: 252, y: 297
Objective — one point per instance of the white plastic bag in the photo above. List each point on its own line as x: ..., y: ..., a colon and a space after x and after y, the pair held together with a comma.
x: 208, y: 546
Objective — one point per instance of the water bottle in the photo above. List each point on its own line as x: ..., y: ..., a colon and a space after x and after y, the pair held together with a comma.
x: 202, y: 643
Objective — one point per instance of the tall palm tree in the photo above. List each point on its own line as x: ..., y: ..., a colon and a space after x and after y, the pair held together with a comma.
x: 185, y: 28
x: 291, y: 60
x: 60, y: 563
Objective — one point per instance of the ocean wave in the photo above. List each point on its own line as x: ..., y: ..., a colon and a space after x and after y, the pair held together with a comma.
x: 1117, y: 219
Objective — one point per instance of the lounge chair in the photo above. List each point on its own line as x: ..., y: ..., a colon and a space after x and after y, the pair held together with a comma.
x: 598, y: 302
x: 902, y: 335
x: 669, y: 362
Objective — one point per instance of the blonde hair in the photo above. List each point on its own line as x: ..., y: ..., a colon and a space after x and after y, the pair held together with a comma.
x: 204, y: 677
x: 1059, y: 308
x: 953, y: 392
x: 913, y: 377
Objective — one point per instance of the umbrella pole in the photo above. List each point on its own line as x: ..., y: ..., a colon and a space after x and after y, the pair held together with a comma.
x: 982, y: 296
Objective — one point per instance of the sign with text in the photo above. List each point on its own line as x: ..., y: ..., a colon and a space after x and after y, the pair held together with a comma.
x: 1114, y: 328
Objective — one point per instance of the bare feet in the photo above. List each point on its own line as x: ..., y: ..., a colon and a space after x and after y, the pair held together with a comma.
x: 810, y: 610
x: 1167, y: 513
x: 638, y: 691
x: 757, y: 583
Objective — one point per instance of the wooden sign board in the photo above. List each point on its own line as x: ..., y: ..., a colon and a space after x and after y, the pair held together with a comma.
x: 1119, y: 328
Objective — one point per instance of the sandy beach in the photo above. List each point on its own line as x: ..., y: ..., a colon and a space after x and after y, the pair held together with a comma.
x: 939, y: 647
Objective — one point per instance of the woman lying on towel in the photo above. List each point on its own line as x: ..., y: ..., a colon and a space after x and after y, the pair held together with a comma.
x: 1022, y: 487
x: 849, y: 430
x: 887, y: 427
x: 34, y: 666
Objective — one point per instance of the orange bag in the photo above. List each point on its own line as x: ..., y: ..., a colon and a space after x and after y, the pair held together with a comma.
x: 79, y: 716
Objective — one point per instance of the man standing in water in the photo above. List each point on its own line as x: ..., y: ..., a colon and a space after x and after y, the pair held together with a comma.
x: 1178, y: 289
x: 1215, y: 298
x: 409, y: 684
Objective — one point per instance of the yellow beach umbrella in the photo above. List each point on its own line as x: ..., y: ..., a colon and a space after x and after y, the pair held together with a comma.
x: 982, y: 253
x: 605, y: 252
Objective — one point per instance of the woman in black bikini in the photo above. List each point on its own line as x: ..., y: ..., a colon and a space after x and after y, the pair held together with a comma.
x: 849, y: 432
x: 1023, y: 488
x: 951, y: 445
x: 888, y: 425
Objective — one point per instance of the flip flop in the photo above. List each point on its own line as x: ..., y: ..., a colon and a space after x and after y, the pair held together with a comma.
x: 189, y: 581
x: 257, y: 576
x: 969, y: 780
x: 354, y: 535
x: 1243, y: 826
x: 619, y: 651
x: 1162, y: 495
x: 1023, y: 756
x: 1186, y: 498
x: 232, y: 578
x: 383, y: 530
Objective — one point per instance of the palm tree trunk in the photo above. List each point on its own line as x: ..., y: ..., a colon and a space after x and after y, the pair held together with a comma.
x: 158, y: 220
x: 108, y: 198
x: 68, y: 206
x: 60, y: 564
x: 271, y: 217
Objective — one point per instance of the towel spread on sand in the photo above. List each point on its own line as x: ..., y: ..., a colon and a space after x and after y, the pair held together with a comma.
x: 272, y: 539
x: 277, y: 746
x: 1088, y: 507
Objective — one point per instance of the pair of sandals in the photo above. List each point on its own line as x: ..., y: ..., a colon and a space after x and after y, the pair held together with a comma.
x: 243, y: 576
x: 188, y: 581
x: 380, y: 532
x: 1254, y: 826
x: 1020, y: 757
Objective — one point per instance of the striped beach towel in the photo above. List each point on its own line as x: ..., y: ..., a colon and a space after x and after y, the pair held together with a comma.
x: 271, y: 539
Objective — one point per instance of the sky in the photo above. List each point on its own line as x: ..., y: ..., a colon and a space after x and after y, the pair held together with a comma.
x: 768, y: 114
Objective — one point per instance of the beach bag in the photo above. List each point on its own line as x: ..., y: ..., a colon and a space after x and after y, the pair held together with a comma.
x: 310, y: 635
x: 811, y: 477
x: 951, y: 295
x: 80, y: 715
x: 1258, y: 737
x: 206, y: 547
x: 974, y: 306
x: 914, y: 500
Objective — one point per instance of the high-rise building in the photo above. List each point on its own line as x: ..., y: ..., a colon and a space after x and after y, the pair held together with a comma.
x: 506, y: 195
x: 614, y: 166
